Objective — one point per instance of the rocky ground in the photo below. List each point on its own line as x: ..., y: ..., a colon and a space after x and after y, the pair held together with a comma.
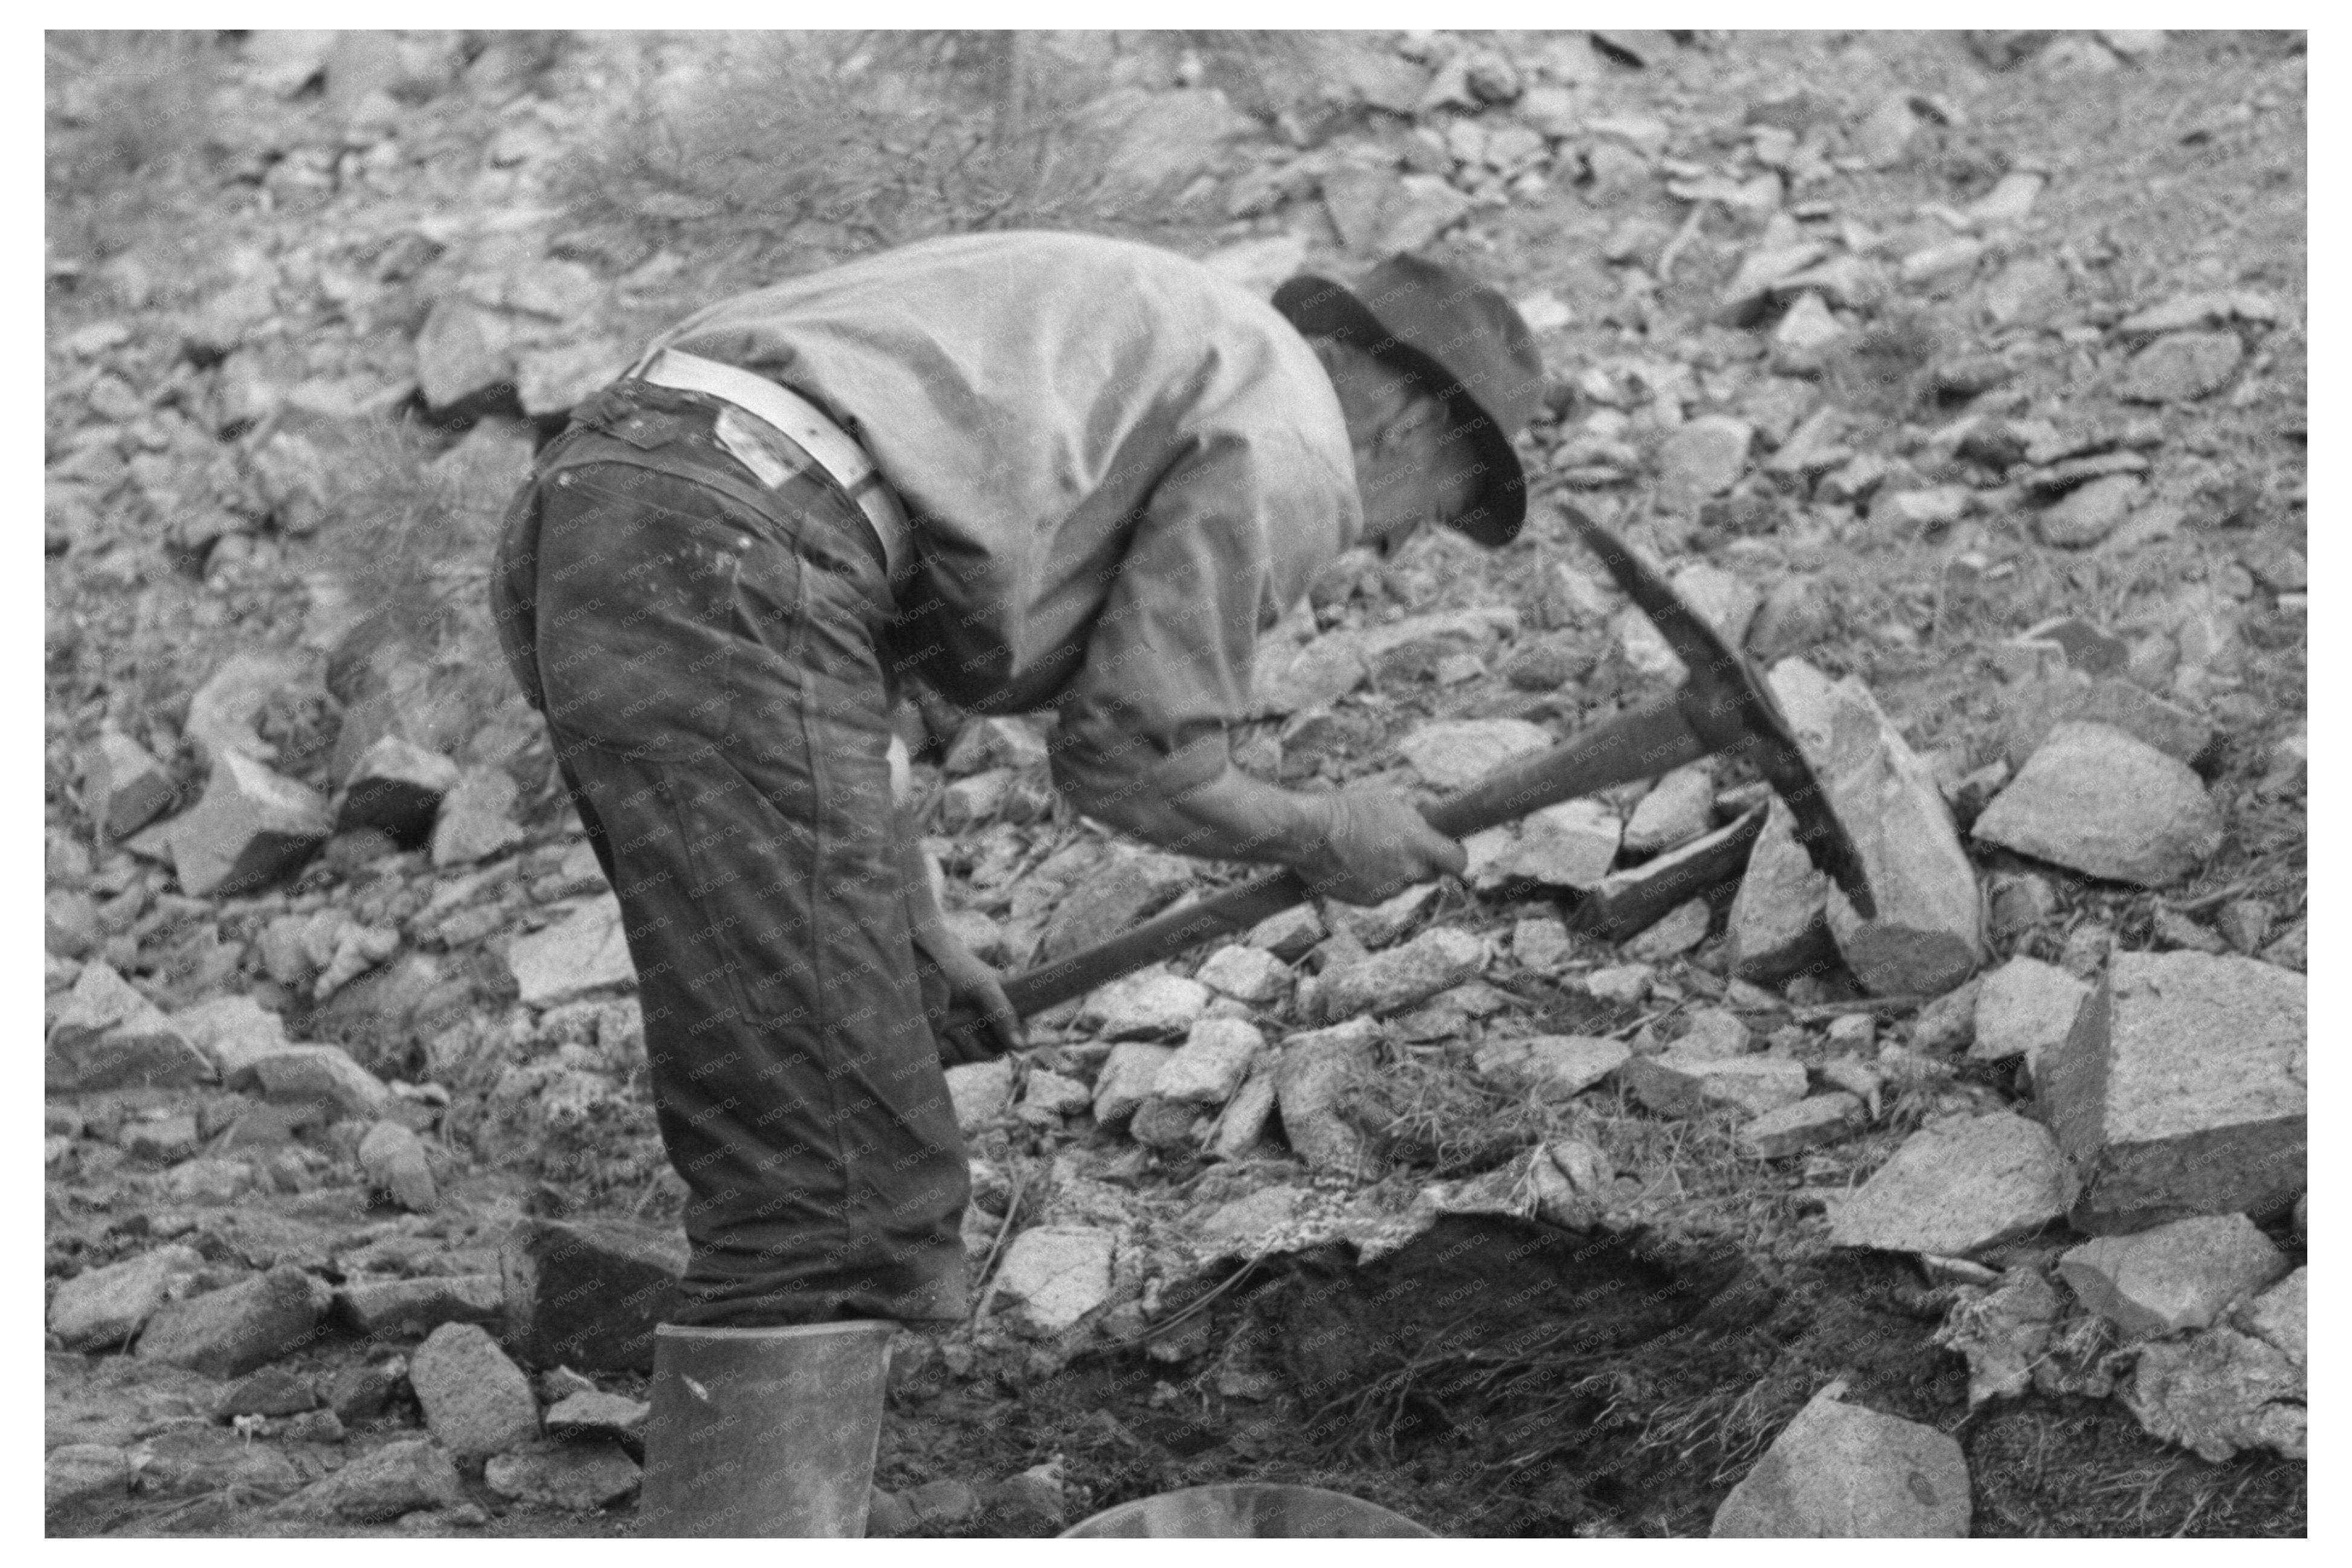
x: 1634, y: 1185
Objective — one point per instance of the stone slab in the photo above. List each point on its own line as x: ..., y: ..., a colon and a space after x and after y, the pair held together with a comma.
x: 1956, y: 1187
x: 2174, y: 1277
x: 2182, y: 1089
x: 1841, y: 1471
x: 2105, y: 803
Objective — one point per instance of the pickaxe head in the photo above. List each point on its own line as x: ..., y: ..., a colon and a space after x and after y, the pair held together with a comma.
x: 1731, y: 708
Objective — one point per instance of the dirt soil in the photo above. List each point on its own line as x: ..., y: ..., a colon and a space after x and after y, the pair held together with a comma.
x: 1494, y: 1376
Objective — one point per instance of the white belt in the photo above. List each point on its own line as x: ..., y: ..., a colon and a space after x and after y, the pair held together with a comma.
x: 800, y: 421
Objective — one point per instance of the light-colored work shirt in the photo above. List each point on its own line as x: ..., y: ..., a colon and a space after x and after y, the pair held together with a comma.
x: 1119, y: 468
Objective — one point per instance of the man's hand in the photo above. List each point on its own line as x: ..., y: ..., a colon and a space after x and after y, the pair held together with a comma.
x: 1374, y: 845
x: 977, y: 1011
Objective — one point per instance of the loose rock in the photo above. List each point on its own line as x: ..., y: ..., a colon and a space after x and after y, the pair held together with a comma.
x: 1570, y: 844
x: 383, y: 1483
x: 1841, y: 1471
x: 1150, y: 1005
x: 1125, y: 1079
x: 2038, y: 707
x: 982, y: 1092
x: 476, y: 819
x: 1388, y: 982
x: 1243, y: 1121
x: 411, y: 1309
x: 2181, y: 1090
x: 576, y: 1478
x: 227, y: 1332
x: 1549, y: 1066
x: 1679, y: 1085
x: 593, y: 1415
x: 1779, y: 924
x: 1251, y: 975
x: 102, y: 1307
x: 1454, y: 753
x: 322, y: 1078
x: 395, y: 1162
x: 1289, y: 935
x: 2103, y: 802
x: 1678, y: 809
x: 1210, y: 1066
x: 1682, y: 928
x: 233, y: 1032
x: 587, y: 1293
x: 587, y: 950
x: 250, y: 827
x: 2090, y: 514
x: 123, y: 788
x: 2219, y: 1391
x: 108, y: 1036
x: 1704, y: 457
x: 477, y: 1402
x: 1312, y: 1074
x: 1809, y: 1124
x: 2180, y: 368
x: 1959, y: 1186
x: 1927, y: 934
x: 1058, y: 1274
x: 2174, y: 1277
x: 2025, y: 1008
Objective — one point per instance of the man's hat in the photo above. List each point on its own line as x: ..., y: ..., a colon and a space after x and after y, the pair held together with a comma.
x: 1462, y: 342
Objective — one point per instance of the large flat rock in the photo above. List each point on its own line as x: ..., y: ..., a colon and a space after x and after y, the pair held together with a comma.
x: 1839, y: 1471
x: 2177, y: 1276
x: 2108, y: 804
x: 1959, y: 1186
x: 2182, y: 1089
x: 1927, y: 934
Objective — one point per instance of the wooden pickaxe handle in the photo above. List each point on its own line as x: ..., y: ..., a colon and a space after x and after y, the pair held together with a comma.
x: 1721, y: 708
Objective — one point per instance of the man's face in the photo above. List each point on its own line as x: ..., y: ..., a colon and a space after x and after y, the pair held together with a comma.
x: 1411, y: 466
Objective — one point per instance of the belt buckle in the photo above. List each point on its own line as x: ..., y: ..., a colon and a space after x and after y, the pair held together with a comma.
x: 747, y: 441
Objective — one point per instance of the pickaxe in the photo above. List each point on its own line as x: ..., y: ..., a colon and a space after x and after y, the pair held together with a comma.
x: 1722, y: 708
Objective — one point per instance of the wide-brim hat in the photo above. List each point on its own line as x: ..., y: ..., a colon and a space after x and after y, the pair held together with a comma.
x: 1463, y: 342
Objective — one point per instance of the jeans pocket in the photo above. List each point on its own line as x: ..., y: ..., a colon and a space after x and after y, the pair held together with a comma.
x: 643, y: 584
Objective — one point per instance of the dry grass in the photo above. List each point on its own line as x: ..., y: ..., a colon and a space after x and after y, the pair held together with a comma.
x: 129, y: 114
x: 1429, y: 1110
x: 797, y: 148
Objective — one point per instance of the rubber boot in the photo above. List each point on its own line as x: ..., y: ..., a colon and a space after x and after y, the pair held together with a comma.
x: 763, y: 1432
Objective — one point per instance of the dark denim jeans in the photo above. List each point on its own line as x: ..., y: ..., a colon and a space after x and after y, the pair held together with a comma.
x: 706, y: 650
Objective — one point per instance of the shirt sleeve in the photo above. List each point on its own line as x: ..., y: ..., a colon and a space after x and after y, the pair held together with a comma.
x: 1223, y: 535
